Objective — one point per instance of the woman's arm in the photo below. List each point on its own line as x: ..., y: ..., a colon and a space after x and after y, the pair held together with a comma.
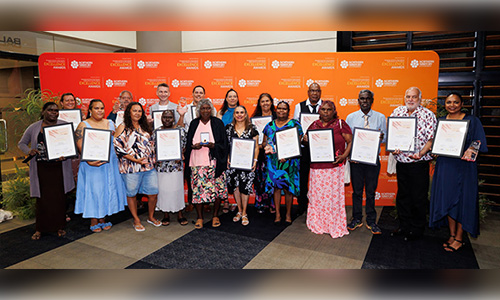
x: 348, y: 139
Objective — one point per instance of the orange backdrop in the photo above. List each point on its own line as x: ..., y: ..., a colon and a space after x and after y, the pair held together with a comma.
x: 285, y: 76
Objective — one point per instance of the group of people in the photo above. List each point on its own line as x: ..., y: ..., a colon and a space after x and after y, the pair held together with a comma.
x: 105, y: 188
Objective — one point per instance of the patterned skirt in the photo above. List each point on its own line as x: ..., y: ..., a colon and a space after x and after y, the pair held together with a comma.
x: 206, y: 188
x: 326, y: 211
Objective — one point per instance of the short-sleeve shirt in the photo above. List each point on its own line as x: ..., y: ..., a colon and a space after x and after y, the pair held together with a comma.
x: 339, y: 127
x: 426, y: 125
x: 137, y: 143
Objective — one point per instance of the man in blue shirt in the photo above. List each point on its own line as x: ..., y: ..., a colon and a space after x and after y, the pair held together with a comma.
x: 364, y: 176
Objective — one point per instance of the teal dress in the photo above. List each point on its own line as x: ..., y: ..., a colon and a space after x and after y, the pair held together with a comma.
x: 284, y: 176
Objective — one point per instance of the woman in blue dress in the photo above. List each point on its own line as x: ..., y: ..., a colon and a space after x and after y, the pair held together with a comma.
x: 454, y: 193
x: 100, y: 190
x: 282, y: 175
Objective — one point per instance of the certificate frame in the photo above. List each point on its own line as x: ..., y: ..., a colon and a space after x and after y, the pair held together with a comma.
x: 204, y: 138
x: 156, y: 114
x: 105, y: 135
x: 441, y: 143
x: 192, y: 111
x: 243, y: 147
x: 303, y: 117
x: 319, y: 139
x: 119, y: 117
x: 288, y: 143
x: 258, y: 121
x: 72, y: 116
x: 68, y: 145
x: 167, y: 137
x: 364, y: 137
x: 393, y: 141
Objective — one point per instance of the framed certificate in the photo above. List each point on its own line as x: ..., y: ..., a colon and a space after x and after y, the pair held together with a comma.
x: 242, y: 154
x: 288, y: 143
x: 192, y: 110
x: 365, y: 146
x: 260, y: 123
x: 96, y: 144
x: 60, y: 141
x: 119, y: 117
x: 307, y: 119
x: 401, y: 133
x: 157, y: 119
x: 168, y: 144
x: 449, y: 139
x: 321, y: 145
x: 204, y: 138
x: 71, y: 116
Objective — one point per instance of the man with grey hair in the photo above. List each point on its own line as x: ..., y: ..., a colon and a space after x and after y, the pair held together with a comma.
x: 364, y: 176
x: 412, y: 168
x: 123, y: 100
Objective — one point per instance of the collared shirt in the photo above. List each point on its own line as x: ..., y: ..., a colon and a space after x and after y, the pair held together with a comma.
x: 296, y: 113
x: 426, y: 125
x: 171, y: 105
x: 376, y: 121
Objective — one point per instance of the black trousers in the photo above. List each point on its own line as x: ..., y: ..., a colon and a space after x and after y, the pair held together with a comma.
x: 412, y: 199
x: 305, y: 165
x: 365, y: 177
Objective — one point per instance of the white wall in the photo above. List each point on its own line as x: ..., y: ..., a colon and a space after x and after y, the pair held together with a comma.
x: 259, y: 41
x: 125, y: 39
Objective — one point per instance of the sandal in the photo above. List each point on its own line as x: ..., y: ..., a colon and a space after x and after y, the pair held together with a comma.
x: 155, y: 222
x: 96, y: 228
x: 183, y: 221
x: 449, y: 248
x: 198, y: 224
x: 165, y: 221
x: 138, y: 227
x: 445, y: 244
x: 215, y: 222
x: 237, y: 217
x: 106, y: 226
x: 244, y: 220
x: 68, y: 218
x: 61, y: 233
x: 36, y: 236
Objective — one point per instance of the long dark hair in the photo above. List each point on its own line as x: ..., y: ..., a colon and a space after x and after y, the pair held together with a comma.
x: 143, y: 121
x: 225, y: 106
x: 45, y: 106
x: 258, y: 109
x: 91, y: 104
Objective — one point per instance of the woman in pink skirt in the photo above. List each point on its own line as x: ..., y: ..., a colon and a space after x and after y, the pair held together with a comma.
x: 326, y: 211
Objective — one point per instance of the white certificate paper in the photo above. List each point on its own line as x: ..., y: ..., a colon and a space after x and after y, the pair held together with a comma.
x: 168, y: 144
x: 96, y: 144
x: 260, y: 123
x: 449, y: 139
x: 365, y: 146
x: 193, y: 112
x: 321, y: 145
x: 401, y: 132
x: 71, y: 116
x: 119, y: 117
x: 242, y: 154
x: 60, y: 141
x: 288, y: 143
x: 307, y: 119
x: 157, y: 119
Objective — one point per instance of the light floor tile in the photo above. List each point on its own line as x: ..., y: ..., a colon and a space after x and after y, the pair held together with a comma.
x: 14, y: 224
x: 320, y: 260
x: 278, y: 256
x: 29, y: 264
x: 487, y: 256
x: 78, y: 255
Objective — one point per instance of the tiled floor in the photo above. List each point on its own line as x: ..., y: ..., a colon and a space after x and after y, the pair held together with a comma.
x: 295, y: 248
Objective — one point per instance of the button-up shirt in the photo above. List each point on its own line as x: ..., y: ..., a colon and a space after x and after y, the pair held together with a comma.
x: 376, y: 121
x: 426, y: 125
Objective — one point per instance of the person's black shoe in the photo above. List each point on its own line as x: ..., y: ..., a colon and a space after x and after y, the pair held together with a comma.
x: 399, y: 233
x: 411, y: 236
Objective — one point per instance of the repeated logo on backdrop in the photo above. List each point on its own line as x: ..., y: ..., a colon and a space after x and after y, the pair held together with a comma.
x: 286, y: 76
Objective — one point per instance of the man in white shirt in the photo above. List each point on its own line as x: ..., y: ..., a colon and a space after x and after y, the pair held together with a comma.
x: 163, y: 94
x: 311, y: 106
